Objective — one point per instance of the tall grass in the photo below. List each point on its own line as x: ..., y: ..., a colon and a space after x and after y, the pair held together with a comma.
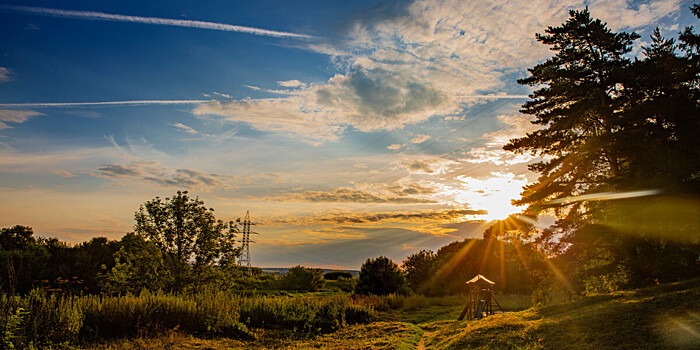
x: 43, y: 320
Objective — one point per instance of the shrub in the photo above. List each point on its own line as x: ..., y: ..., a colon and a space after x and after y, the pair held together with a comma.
x: 380, y: 276
x: 336, y: 275
x: 303, y: 278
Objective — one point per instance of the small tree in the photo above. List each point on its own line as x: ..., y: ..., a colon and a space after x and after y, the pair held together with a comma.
x: 303, y: 278
x: 380, y: 276
x: 188, y: 233
x: 418, y: 268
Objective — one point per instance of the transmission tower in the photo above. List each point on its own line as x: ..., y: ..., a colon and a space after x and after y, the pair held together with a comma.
x: 245, y: 243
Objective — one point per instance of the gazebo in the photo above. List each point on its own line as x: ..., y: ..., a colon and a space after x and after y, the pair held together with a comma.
x: 481, y: 298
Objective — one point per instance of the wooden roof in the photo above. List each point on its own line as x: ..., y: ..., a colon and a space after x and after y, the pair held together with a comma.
x: 479, y: 279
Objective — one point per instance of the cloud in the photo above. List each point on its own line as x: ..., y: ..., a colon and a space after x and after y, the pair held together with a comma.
x: 622, y: 14
x: 442, y: 222
x: 420, y: 139
x: 152, y: 172
x: 185, y: 128
x: 100, y: 16
x: 419, y: 166
x: 15, y: 117
x: 427, y: 165
x: 492, y: 151
x: 5, y: 75
x: 394, y: 146
x: 394, y: 194
x: 220, y: 94
x: 65, y: 173
x: 422, y: 59
x: 442, y: 216
x: 291, y: 84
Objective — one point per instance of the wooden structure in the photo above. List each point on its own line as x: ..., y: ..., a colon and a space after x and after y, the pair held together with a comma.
x: 481, y: 298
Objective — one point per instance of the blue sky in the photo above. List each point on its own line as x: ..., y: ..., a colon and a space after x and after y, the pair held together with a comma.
x: 349, y: 129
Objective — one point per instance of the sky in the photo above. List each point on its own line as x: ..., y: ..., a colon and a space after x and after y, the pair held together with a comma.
x: 348, y: 129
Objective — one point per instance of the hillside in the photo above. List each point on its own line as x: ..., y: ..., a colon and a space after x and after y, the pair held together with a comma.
x: 666, y: 316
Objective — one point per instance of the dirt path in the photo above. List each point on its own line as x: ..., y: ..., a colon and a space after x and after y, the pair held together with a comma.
x: 421, y: 342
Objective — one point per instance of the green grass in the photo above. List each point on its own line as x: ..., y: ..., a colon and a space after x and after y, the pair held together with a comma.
x: 663, y: 317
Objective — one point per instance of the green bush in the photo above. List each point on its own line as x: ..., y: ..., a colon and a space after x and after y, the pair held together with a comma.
x: 380, y: 276
x: 40, y: 320
x: 303, y: 278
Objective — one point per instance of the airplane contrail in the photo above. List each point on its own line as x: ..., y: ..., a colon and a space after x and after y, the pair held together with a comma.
x: 104, y: 103
x: 101, y: 16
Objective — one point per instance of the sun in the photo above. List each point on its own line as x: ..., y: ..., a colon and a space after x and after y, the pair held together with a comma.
x: 493, y: 194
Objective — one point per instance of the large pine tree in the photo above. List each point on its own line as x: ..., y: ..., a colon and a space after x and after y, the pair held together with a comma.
x: 612, y: 124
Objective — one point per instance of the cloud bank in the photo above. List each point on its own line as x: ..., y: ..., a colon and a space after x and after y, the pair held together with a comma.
x: 429, y: 59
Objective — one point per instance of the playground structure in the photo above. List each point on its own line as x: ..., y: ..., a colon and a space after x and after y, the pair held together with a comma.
x: 481, y: 299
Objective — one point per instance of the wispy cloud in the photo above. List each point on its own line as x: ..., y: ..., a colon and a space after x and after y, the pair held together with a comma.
x: 350, y: 195
x: 15, y: 116
x: 100, y: 16
x: 185, y: 128
x: 5, y: 75
x: 102, y: 103
x: 154, y: 173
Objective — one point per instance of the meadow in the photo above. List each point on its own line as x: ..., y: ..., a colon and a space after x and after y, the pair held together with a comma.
x: 661, y: 317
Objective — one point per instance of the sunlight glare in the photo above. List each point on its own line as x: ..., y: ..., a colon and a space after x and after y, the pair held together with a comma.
x: 493, y: 194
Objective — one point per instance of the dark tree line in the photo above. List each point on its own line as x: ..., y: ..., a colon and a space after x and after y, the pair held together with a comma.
x: 513, y: 266
x: 178, y: 244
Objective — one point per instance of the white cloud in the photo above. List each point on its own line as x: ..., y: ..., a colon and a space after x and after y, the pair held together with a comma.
x: 621, y: 16
x: 15, y: 117
x: 185, y: 128
x: 420, y: 139
x: 220, y: 94
x: 394, y: 146
x: 291, y: 84
x: 100, y: 16
x: 5, y: 75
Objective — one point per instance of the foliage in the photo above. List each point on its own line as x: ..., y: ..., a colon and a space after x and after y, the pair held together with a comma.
x: 22, y: 259
x: 611, y: 124
x: 303, y: 314
x: 138, y: 265
x: 577, y: 108
x: 303, y: 278
x: 185, y: 230
x: 380, y: 276
x: 335, y: 275
x: 512, y: 265
x: 49, y: 320
x: 38, y: 320
x: 418, y: 268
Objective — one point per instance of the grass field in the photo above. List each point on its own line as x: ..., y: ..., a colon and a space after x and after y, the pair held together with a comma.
x: 662, y: 317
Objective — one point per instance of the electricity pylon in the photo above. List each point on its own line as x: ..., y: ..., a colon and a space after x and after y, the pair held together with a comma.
x: 245, y: 243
